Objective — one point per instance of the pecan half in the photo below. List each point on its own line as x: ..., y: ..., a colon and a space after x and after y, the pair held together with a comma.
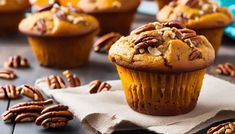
x: 195, y: 54
x: 41, y: 26
x: 226, y: 69
x: 224, y: 128
x: 45, y: 8
x: 97, y: 86
x: 7, y: 74
x: 144, y: 28
x: 9, y: 92
x: 31, y: 92
x: 54, y: 117
x: 192, y: 3
x: 24, y: 112
x: 144, y: 41
x: 175, y: 23
x: 104, y: 43
x: 73, y: 80
x: 16, y: 62
x: 55, y: 82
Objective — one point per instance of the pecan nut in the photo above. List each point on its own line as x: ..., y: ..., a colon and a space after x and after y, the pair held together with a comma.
x: 24, y: 112
x: 224, y: 128
x: 104, y: 43
x: 97, y: 86
x: 144, y: 28
x: 192, y: 3
x: 226, y: 69
x: 195, y: 54
x: 31, y: 92
x: 41, y: 26
x: 73, y: 80
x: 7, y: 74
x: 9, y: 92
x: 17, y: 62
x: 55, y: 82
x: 54, y: 117
x: 175, y: 23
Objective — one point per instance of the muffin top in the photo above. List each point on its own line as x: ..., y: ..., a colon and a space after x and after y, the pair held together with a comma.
x: 163, y: 47
x: 58, y: 21
x: 196, y: 14
x: 13, y: 5
x: 92, y: 6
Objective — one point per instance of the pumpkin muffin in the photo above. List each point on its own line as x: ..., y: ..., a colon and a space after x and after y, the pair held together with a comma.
x: 11, y: 13
x: 203, y: 16
x: 113, y: 15
x: 60, y: 37
x: 161, y: 66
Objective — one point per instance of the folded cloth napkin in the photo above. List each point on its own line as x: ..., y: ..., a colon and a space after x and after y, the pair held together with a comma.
x: 230, y: 4
x: 108, y: 111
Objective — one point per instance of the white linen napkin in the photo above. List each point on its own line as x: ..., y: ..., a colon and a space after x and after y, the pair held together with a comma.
x: 109, y: 111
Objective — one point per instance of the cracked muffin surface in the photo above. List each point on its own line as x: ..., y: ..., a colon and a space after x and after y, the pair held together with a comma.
x: 163, y: 47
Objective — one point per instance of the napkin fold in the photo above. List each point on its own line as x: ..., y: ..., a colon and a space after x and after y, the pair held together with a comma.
x: 108, y: 111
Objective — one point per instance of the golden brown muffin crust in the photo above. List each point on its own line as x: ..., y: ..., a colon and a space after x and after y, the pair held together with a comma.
x: 59, y: 21
x: 163, y: 47
x: 93, y: 6
x: 13, y: 5
x: 196, y: 14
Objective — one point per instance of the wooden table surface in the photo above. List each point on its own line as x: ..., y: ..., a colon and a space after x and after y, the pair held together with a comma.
x: 98, y: 68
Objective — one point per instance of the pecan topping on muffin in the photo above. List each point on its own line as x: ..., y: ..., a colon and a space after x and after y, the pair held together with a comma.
x: 17, y: 62
x: 73, y: 80
x: 226, y: 69
x: 9, y: 92
x: 54, y: 117
x: 161, y: 33
x: 7, y: 74
x: 30, y: 92
x: 24, y: 112
x: 104, y: 43
x: 55, y: 82
x: 97, y: 86
x: 224, y: 128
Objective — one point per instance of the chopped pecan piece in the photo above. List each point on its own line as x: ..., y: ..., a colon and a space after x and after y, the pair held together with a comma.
x: 54, y: 117
x: 7, y: 74
x: 55, y: 82
x: 144, y: 28
x: 41, y: 26
x: 73, y: 80
x: 31, y: 92
x: 195, y: 54
x: 224, y: 128
x: 226, y: 69
x: 97, y: 86
x: 9, y: 92
x: 24, y: 112
x: 105, y: 42
x: 16, y: 62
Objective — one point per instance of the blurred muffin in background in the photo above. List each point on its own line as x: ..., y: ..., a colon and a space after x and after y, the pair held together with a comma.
x: 11, y: 13
x: 60, y: 37
x: 113, y: 15
x: 204, y: 16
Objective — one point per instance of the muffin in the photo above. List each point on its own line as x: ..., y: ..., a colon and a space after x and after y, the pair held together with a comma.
x: 60, y: 37
x: 161, y: 66
x: 113, y: 15
x: 203, y: 16
x: 11, y: 13
x: 162, y: 3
